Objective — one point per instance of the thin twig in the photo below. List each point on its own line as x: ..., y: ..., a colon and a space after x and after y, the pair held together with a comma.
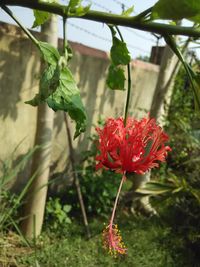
x: 75, y: 177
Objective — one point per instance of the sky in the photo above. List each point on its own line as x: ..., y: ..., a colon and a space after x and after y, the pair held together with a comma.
x: 95, y: 34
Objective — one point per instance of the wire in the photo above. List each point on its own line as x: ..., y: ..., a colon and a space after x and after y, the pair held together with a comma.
x: 139, y: 35
x: 105, y: 39
x: 99, y: 5
x: 90, y: 33
x: 122, y: 4
x: 127, y: 29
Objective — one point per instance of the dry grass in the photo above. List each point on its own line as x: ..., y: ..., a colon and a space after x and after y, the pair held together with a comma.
x: 11, y: 247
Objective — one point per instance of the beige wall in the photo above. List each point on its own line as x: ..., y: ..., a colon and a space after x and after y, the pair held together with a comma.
x: 19, y: 73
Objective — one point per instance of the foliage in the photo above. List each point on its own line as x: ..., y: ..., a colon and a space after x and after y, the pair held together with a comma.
x: 119, y: 57
x: 10, y: 203
x: 177, y: 10
x: 181, y: 189
x: 193, y: 76
x: 152, y: 243
x: 74, y: 8
x: 57, y: 214
x: 184, y: 128
x: 40, y: 18
x: 58, y: 87
x: 98, y: 188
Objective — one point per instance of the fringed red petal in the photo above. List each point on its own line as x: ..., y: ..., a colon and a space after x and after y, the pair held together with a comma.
x: 136, y: 147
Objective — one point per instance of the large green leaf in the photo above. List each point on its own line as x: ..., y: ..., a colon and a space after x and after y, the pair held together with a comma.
x: 177, y: 10
x: 116, y: 78
x: 48, y: 83
x: 119, y: 57
x: 58, y: 88
x: 67, y: 97
x: 41, y: 16
x: 49, y: 53
x: 119, y: 52
x: 49, y: 80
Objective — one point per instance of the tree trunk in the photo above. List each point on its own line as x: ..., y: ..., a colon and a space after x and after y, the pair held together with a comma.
x: 36, y: 197
x: 165, y: 83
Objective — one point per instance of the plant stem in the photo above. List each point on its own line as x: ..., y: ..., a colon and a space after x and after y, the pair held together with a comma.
x: 64, y: 34
x: 143, y: 14
x: 64, y: 31
x: 116, y: 199
x: 108, y: 18
x: 76, y: 178
x: 27, y: 32
x: 170, y: 41
x: 129, y: 83
x: 128, y: 93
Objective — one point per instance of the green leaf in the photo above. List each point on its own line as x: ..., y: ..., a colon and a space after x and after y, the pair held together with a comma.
x: 48, y: 84
x: 75, y: 8
x: 196, y: 88
x: 119, y: 52
x: 74, y: 3
x: 82, y: 10
x: 68, y: 220
x: 156, y: 188
x: 40, y: 17
x: 194, y: 78
x: 66, y: 97
x: 128, y: 11
x: 67, y: 208
x: 177, y: 10
x: 116, y: 78
x: 49, y: 53
x: 58, y: 88
x: 196, y: 194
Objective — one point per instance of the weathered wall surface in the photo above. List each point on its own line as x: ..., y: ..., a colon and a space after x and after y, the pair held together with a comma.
x: 19, y: 72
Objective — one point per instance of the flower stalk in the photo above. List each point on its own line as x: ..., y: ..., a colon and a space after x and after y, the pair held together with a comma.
x: 117, y: 198
x: 129, y: 82
x: 112, y: 239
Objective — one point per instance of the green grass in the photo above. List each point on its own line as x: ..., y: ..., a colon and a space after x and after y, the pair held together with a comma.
x: 150, y: 243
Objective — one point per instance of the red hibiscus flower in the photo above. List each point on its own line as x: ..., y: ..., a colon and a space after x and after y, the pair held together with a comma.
x: 134, y: 147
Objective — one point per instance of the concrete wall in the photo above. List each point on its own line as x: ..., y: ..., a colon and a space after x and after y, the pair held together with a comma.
x: 19, y: 74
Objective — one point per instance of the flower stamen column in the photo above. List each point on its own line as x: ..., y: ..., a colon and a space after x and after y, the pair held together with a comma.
x: 112, y: 239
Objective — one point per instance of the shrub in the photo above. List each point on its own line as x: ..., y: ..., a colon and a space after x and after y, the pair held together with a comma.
x: 182, y: 167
